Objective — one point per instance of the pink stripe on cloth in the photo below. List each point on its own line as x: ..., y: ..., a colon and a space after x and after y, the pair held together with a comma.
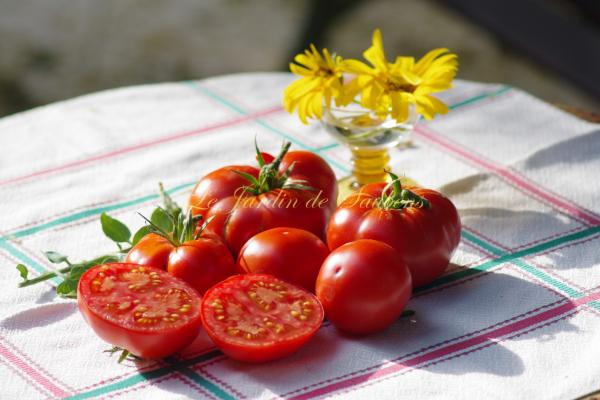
x: 30, y: 371
x: 513, y: 177
x: 450, y: 349
x: 143, y: 145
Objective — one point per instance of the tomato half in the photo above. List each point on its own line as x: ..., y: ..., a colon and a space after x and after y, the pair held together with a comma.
x: 363, y: 286
x: 294, y: 255
x: 295, y: 189
x: 421, y: 224
x: 202, y: 262
x: 256, y: 317
x: 142, y: 309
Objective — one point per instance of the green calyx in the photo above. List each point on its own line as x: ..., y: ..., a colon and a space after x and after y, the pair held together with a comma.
x: 394, y: 197
x: 269, y: 177
x: 177, y: 228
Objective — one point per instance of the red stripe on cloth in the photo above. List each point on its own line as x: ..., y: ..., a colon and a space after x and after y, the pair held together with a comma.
x: 143, y: 145
x: 450, y: 349
x: 30, y: 371
x: 521, y: 182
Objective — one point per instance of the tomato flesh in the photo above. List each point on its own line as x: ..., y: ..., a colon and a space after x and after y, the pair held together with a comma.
x: 142, y: 309
x: 257, y: 317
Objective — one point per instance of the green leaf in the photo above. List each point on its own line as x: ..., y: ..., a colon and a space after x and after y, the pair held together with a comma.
x: 114, y: 229
x: 67, y: 288
x: 23, y: 271
x: 143, y: 231
x: 54, y: 257
x: 259, y: 156
x: 170, y: 205
x: 162, y: 219
x: 124, y: 355
x: 248, y: 177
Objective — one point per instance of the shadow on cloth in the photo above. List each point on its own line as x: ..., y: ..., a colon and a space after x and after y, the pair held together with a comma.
x: 39, y: 316
x: 456, y: 330
x: 577, y: 150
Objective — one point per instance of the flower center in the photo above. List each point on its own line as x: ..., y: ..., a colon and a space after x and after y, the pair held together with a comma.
x: 324, y: 72
x: 402, y: 87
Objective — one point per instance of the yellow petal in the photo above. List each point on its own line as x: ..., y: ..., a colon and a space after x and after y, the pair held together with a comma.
x: 428, y: 106
x: 426, y: 60
x: 317, y: 105
x: 356, y: 67
x: 406, y: 63
x: 299, y: 70
x: 376, y: 54
x: 399, y: 106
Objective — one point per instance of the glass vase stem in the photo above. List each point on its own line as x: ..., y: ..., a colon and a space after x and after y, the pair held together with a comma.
x: 369, y: 165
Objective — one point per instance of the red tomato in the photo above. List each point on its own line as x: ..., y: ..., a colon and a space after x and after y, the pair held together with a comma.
x: 425, y: 232
x: 242, y: 208
x: 201, y: 263
x: 291, y: 254
x: 256, y: 317
x: 142, y: 309
x: 363, y: 286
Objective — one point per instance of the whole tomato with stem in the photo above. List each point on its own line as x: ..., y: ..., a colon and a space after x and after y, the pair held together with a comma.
x: 295, y: 189
x: 291, y: 254
x: 142, y: 310
x: 363, y: 286
x: 183, y: 251
x: 421, y: 224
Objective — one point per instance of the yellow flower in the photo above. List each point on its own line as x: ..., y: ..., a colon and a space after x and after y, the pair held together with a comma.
x: 321, y: 80
x: 390, y: 88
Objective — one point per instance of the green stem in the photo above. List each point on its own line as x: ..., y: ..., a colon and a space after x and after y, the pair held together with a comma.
x: 53, y: 274
x: 400, y: 198
x: 45, y: 276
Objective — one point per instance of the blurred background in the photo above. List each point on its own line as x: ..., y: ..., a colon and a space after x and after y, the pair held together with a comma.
x: 57, y: 49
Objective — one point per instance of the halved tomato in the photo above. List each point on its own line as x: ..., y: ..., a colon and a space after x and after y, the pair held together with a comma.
x: 258, y: 317
x: 143, y: 309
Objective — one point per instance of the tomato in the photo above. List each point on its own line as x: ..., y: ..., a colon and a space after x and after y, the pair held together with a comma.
x: 257, y: 317
x: 296, y: 189
x: 363, y: 286
x: 291, y: 254
x: 142, y: 309
x: 422, y: 224
x: 201, y: 262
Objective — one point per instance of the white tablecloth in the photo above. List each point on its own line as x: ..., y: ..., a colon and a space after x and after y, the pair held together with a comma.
x: 516, y: 316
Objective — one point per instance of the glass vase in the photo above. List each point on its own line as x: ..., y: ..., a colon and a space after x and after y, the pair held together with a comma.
x: 369, y: 139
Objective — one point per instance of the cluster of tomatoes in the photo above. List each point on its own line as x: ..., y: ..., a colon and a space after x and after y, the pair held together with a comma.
x: 273, y: 256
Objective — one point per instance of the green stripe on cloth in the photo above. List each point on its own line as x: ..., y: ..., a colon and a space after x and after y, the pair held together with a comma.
x: 204, y: 383
x: 504, y: 257
x: 91, y: 212
x: 182, y: 366
x: 99, y: 210
x: 24, y: 258
x: 454, y: 106
x: 155, y: 374
x: 483, y: 96
x: 265, y: 125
